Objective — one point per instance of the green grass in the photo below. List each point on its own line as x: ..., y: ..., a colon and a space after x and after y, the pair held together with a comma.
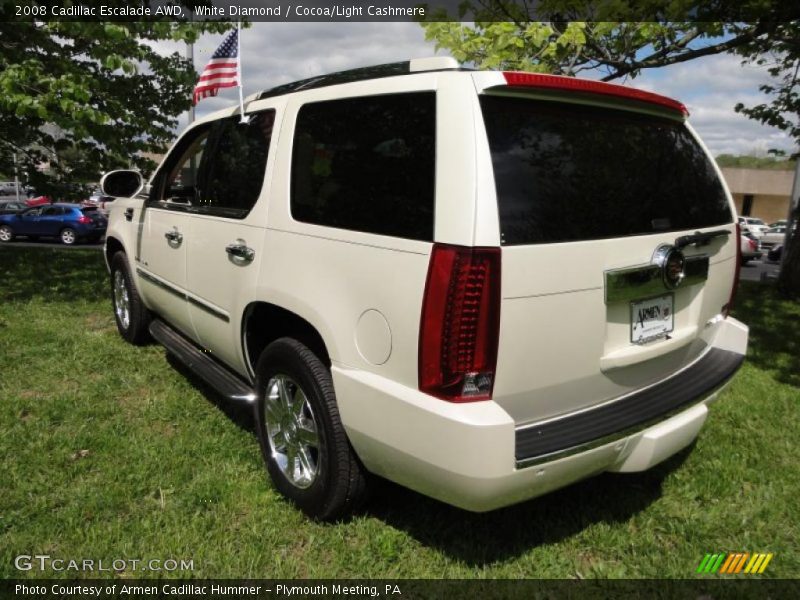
x: 109, y: 451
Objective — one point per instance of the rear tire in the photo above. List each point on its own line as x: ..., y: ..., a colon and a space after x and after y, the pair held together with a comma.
x: 305, y: 448
x: 6, y: 234
x: 68, y: 236
x: 130, y: 313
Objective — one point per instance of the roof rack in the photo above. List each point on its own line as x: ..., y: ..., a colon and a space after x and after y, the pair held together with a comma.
x: 417, y: 65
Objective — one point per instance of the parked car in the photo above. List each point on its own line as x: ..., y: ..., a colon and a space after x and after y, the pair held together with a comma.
x: 779, y: 223
x: 775, y: 253
x: 750, y: 249
x: 11, y: 207
x: 67, y: 222
x: 462, y: 281
x: 39, y: 201
x: 774, y: 235
x: 752, y: 225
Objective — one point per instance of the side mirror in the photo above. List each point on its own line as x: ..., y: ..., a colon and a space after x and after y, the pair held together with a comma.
x: 122, y: 184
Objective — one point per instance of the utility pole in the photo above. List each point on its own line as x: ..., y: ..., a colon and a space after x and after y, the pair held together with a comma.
x: 16, y: 176
x: 190, y: 56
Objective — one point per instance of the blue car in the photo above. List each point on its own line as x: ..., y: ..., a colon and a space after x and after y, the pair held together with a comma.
x: 67, y: 222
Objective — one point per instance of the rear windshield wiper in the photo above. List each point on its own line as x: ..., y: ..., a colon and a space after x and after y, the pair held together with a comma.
x: 700, y: 239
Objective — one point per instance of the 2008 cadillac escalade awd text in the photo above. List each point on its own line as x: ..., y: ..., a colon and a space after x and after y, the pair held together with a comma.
x: 481, y: 285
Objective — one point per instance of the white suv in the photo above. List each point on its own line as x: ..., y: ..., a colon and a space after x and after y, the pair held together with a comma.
x: 481, y: 285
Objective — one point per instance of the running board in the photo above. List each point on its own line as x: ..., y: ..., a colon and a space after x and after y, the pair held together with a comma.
x: 200, y: 363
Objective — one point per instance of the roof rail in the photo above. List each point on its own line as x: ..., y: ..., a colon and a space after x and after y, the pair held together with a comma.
x: 416, y: 65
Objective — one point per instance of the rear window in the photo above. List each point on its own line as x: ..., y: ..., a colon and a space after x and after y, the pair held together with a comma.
x: 573, y: 172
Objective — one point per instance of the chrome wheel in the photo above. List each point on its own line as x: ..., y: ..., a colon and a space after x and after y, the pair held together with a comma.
x: 121, y: 300
x: 6, y: 235
x: 291, y: 431
x: 68, y: 237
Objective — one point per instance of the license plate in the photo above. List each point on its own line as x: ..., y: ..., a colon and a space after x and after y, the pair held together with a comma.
x: 651, y: 318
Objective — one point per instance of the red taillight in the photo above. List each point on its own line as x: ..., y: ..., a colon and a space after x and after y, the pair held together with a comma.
x: 83, y: 219
x: 726, y: 309
x: 460, y: 323
x: 753, y: 244
x: 538, y: 80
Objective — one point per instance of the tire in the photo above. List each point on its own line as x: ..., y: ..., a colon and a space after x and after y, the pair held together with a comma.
x: 68, y: 236
x: 305, y: 448
x: 131, y: 315
x: 6, y: 234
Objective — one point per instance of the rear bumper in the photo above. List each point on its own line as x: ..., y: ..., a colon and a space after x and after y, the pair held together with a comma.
x: 473, y: 455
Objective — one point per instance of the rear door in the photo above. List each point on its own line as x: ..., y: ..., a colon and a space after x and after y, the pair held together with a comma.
x: 226, y: 247
x: 593, y: 197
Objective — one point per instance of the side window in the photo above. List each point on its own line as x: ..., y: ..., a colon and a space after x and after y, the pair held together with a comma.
x: 218, y: 169
x: 367, y: 164
x: 178, y: 181
x: 52, y: 211
x: 239, y: 160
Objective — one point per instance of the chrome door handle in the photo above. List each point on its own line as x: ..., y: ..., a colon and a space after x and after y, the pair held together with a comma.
x: 174, y: 237
x: 240, y: 253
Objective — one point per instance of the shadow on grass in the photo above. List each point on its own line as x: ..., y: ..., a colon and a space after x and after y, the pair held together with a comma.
x: 240, y: 413
x: 480, y: 539
x: 774, y: 330
x: 52, y: 274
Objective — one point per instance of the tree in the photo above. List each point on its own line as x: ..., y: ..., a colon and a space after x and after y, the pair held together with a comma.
x: 86, y: 97
x: 568, y: 37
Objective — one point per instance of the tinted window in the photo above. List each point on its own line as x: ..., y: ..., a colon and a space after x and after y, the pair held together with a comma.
x: 239, y: 159
x: 367, y: 164
x: 218, y: 169
x: 570, y: 172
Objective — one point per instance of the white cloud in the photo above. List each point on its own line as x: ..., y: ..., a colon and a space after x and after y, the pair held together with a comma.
x: 710, y: 87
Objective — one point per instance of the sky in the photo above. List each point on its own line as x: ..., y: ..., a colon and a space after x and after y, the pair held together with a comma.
x: 277, y: 53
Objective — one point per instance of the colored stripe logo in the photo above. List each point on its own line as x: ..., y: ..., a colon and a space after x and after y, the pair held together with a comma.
x: 735, y: 562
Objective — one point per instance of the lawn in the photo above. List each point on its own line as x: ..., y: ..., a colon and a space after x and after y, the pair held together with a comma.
x: 109, y: 451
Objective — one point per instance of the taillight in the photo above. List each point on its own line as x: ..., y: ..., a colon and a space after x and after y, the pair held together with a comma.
x: 83, y: 219
x: 726, y: 309
x: 460, y: 323
x: 753, y: 245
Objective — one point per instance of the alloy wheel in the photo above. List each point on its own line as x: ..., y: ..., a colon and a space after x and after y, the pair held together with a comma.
x: 292, y: 431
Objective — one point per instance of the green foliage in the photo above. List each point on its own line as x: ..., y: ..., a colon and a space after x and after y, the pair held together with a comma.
x: 620, y: 39
x: 755, y: 162
x: 87, y: 97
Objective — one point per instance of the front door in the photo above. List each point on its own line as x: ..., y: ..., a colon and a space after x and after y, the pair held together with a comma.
x: 167, y: 230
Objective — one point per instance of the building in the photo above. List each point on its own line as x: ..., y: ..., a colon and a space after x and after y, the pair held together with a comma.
x: 762, y: 193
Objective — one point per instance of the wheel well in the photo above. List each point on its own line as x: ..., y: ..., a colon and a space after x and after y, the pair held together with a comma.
x: 263, y: 323
x: 113, y: 245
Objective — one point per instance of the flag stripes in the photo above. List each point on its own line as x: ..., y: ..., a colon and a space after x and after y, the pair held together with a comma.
x: 222, y: 71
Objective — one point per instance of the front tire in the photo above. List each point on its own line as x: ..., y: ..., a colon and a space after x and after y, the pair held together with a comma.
x: 130, y: 313
x: 68, y: 236
x: 305, y: 448
x: 6, y: 234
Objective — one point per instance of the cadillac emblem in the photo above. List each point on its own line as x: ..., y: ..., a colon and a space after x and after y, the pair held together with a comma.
x: 672, y: 263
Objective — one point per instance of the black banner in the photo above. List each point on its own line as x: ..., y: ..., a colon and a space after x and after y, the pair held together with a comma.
x: 262, y: 589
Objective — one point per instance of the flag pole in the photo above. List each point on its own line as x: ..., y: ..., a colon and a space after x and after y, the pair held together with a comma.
x: 243, y: 119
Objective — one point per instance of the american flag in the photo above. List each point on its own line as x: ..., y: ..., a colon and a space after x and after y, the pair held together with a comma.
x: 222, y: 71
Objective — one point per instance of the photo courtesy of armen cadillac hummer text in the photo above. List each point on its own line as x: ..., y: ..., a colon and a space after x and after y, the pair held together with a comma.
x: 481, y: 285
